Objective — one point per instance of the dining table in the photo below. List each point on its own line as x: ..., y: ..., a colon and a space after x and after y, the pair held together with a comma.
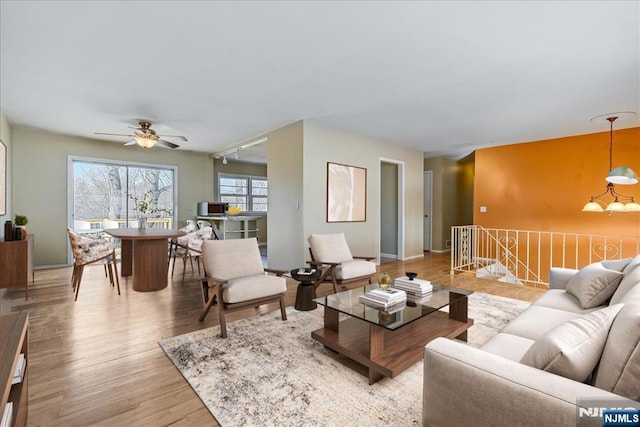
x: 144, y: 255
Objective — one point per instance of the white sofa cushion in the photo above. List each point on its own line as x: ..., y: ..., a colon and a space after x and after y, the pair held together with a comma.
x: 252, y: 287
x: 536, y: 321
x: 228, y: 259
x: 561, y: 300
x: 594, y: 284
x: 354, y: 268
x: 573, y: 349
x: 331, y: 248
x: 619, y: 369
x: 630, y: 280
x: 509, y: 346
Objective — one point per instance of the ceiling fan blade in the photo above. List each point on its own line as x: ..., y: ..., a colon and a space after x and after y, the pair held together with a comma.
x: 112, y: 134
x: 180, y: 137
x: 132, y: 142
x: 167, y: 144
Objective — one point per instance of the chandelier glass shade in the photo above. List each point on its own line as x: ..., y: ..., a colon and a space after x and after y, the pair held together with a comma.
x: 146, y: 141
x: 621, y: 175
x: 620, y: 203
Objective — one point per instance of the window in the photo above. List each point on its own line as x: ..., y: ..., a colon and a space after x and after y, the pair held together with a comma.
x: 101, y: 190
x: 246, y: 192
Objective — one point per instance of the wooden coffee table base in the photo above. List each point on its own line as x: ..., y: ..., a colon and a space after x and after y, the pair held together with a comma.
x: 384, y: 352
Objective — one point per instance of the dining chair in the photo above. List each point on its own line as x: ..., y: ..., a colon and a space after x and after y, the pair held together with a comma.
x: 235, y: 268
x: 203, y: 223
x: 331, y: 253
x: 189, y: 247
x: 87, y: 250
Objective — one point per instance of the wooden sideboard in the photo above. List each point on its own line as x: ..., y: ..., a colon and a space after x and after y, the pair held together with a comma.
x: 14, y: 341
x: 16, y: 263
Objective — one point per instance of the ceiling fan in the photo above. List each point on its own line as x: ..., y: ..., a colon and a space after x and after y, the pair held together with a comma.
x: 146, y: 137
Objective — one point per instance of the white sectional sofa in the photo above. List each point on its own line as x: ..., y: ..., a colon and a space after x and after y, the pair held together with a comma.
x: 533, y: 372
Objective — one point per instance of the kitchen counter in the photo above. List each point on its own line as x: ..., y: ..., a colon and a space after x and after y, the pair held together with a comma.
x: 248, y: 225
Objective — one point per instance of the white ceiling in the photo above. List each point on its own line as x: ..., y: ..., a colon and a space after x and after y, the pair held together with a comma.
x: 442, y: 77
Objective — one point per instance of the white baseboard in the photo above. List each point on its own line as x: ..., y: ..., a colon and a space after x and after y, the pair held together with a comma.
x: 48, y: 267
x: 392, y: 256
x: 413, y: 257
x: 440, y: 251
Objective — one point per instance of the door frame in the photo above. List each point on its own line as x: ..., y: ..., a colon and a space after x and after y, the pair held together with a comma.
x: 430, y: 173
x: 401, y: 196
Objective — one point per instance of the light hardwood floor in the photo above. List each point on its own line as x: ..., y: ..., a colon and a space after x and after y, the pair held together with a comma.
x: 97, y: 361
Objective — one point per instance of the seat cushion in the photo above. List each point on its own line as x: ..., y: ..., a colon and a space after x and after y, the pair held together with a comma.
x: 509, y: 346
x: 253, y: 287
x: 536, y: 321
x: 354, y: 268
x: 331, y: 248
x: 630, y: 280
x: 619, y: 369
x: 573, y: 349
x: 594, y: 284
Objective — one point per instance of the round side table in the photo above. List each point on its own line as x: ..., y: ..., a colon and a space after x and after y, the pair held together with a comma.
x: 306, y: 291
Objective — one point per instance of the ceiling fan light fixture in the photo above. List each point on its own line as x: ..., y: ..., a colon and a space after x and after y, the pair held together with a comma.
x: 622, y: 175
x: 145, y: 142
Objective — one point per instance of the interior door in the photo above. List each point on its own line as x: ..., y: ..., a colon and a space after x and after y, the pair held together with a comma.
x: 428, y: 178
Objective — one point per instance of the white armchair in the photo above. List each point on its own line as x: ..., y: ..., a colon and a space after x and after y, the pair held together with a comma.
x: 235, y: 268
x: 331, y: 253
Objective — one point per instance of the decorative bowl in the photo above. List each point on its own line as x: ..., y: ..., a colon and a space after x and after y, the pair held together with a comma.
x: 411, y: 275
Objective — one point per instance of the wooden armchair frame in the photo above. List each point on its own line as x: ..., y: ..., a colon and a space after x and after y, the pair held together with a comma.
x: 216, y: 299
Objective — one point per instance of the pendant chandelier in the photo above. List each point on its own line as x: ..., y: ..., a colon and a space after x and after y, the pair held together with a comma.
x: 621, y: 175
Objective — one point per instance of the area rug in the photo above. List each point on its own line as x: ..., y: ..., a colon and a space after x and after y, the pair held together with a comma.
x: 270, y: 372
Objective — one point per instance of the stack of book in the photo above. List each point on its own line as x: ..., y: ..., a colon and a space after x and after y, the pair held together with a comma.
x: 18, y: 375
x: 416, y: 289
x: 389, y: 300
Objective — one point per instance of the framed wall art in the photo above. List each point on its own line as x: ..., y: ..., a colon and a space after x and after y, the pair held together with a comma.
x: 346, y: 193
x: 3, y: 178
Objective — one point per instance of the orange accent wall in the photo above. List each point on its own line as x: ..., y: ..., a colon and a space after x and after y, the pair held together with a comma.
x: 543, y: 185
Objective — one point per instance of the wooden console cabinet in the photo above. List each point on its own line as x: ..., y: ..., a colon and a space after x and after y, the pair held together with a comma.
x: 14, y: 341
x: 16, y: 263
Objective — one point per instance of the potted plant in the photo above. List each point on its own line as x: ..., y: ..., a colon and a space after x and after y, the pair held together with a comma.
x: 146, y: 205
x: 21, y: 221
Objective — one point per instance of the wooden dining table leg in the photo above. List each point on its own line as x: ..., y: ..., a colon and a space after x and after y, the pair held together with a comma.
x: 126, y: 258
x: 150, y: 267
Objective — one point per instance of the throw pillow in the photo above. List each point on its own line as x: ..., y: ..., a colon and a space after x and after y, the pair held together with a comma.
x: 619, y: 369
x: 628, y: 282
x: 617, y: 265
x: 632, y: 265
x: 573, y: 349
x: 594, y: 284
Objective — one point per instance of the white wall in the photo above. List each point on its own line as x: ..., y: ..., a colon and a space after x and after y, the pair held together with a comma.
x: 40, y: 182
x: 322, y: 145
x: 287, y: 202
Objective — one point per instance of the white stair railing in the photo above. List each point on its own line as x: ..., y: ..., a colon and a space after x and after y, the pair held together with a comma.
x: 528, y: 255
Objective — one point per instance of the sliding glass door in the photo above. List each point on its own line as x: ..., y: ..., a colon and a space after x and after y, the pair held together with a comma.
x: 103, y: 194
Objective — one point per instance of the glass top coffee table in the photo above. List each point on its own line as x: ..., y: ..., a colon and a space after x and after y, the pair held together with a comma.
x: 388, y: 343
